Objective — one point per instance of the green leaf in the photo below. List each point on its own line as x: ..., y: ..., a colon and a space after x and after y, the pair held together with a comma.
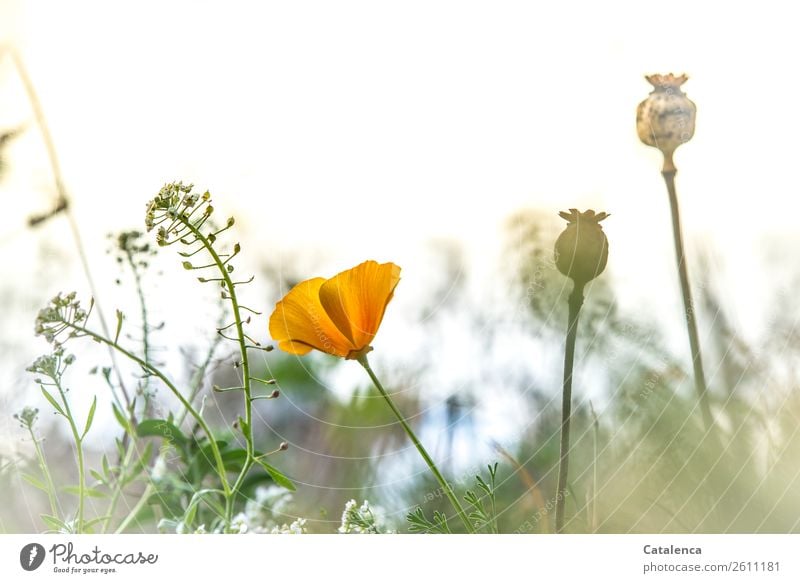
x: 34, y: 481
x: 90, y: 492
x: 233, y: 459
x: 277, y: 476
x: 120, y: 317
x: 90, y: 523
x: 121, y: 419
x: 200, y: 495
x: 90, y: 418
x: 203, y: 461
x: 140, y: 464
x: 162, y: 428
x: 52, y: 401
x: 97, y: 476
x: 107, y: 468
x: 120, y: 448
x: 53, y: 522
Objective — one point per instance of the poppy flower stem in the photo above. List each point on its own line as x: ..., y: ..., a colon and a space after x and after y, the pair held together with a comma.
x: 362, y: 360
x: 669, y: 172
x: 575, y: 301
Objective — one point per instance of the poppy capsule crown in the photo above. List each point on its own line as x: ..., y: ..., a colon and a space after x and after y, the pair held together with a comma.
x: 581, y: 251
x: 665, y: 120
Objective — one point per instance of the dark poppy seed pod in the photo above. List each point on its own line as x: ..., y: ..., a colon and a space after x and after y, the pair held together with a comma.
x: 665, y: 120
x: 581, y: 251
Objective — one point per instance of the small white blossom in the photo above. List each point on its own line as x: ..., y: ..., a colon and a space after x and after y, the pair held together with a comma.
x: 297, y: 527
x: 358, y: 519
x: 240, y: 523
x: 159, y: 470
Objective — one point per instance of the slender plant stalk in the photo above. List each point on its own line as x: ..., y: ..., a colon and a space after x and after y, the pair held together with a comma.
x: 117, y: 493
x: 126, y: 459
x: 495, y: 528
x: 64, y: 204
x: 196, y: 383
x: 171, y: 386
x: 137, y: 279
x: 362, y: 360
x: 668, y: 173
x: 575, y: 302
x: 135, y: 510
x: 76, y: 436
x: 595, y: 443
x: 246, y: 380
x: 51, y: 489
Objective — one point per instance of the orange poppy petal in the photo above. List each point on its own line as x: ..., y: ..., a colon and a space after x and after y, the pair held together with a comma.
x: 356, y: 299
x: 299, y: 323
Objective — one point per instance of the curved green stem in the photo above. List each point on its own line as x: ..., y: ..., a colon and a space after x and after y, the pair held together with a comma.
x: 76, y: 436
x: 135, y: 510
x: 194, y: 389
x: 115, y: 496
x: 246, y: 383
x: 362, y: 360
x: 575, y: 302
x: 137, y: 277
x: 169, y: 384
x: 51, y: 488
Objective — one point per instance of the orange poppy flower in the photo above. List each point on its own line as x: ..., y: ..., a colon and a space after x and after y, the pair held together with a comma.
x: 338, y: 316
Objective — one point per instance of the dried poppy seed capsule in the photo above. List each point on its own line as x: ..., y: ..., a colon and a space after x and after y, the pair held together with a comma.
x: 581, y: 251
x: 665, y: 120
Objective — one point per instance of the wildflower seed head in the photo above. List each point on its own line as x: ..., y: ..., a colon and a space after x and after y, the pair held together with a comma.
x: 581, y: 251
x: 666, y: 119
x: 173, y: 201
x: 52, y: 365
x: 296, y: 527
x: 27, y: 417
x: 60, y: 316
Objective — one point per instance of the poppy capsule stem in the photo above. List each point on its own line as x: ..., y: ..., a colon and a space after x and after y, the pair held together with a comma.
x: 362, y: 360
x: 575, y: 301
x: 688, y: 305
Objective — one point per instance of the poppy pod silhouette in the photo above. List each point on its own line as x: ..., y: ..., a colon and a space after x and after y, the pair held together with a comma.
x: 341, y: 316
x: 581, y: 253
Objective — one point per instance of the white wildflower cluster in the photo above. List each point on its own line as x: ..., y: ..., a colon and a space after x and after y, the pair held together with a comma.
x: 262, y: 515
x: 240, y: 524
x: 265, y: 513
x: 296, y: 527
x: 359, y: 519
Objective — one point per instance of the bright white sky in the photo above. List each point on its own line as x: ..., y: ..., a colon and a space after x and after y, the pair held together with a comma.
x: 365, y: 129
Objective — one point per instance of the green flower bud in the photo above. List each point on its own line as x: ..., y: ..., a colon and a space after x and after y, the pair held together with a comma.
x: 665, y: 120
x: 581, y: 251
